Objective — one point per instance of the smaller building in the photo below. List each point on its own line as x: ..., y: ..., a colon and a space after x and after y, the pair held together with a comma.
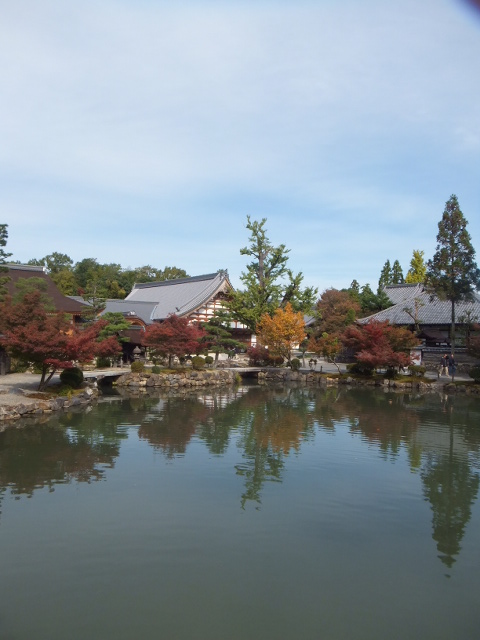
x: 414, y: 308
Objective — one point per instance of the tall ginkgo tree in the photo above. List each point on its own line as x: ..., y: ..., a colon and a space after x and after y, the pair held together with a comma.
x: 452, y: 273
x: 418, y: 268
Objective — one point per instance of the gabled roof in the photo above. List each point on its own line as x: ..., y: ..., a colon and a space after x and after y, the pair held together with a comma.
x: 181, y: 297
x: 414, y: 299
x: 61, y: 302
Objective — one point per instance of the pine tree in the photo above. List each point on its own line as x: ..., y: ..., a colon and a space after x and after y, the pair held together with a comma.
x: 418, y: 268
x: 385, y: 276
x: 397, y: 273
x: 354, y: 290
x: 452, y: 273
x: 218, y: 336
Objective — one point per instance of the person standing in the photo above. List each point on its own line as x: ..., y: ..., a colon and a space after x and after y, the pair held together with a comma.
x: 452, y: 366
x: 443, y: 365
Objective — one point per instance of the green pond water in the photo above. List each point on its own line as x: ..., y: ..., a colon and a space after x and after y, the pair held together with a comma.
x: 247, y: 513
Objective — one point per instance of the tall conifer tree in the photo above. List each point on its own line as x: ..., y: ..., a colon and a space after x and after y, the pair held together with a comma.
x: 452, y: 273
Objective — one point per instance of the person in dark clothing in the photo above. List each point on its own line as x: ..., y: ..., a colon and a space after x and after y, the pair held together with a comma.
x: 452, y: 366
x: 443, y: 366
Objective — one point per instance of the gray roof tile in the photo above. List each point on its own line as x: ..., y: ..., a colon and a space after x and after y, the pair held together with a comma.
x: 430, y: 312
x: 182, y: 296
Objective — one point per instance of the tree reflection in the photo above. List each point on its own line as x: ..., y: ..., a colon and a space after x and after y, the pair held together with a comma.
x: 266, y: 425
x: 171, y: 429
x: 275, y: 423
x: 69, y: 447
x: 450, y: 484
x: 451, y: 488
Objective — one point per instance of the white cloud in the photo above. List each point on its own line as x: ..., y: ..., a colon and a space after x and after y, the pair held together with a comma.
x: 335, y: 120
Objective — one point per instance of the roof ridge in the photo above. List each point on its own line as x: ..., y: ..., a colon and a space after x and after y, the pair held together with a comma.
x: 26, y: 267
x: 164, y: 283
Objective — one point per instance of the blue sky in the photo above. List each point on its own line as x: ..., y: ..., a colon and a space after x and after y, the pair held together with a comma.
x: 144, y: 132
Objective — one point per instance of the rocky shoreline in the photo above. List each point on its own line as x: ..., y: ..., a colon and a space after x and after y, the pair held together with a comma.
x: 19, y: 403
x: 281, y: 376
x: 26, y: 403
x: 212, y: 377
x: 16, y: 403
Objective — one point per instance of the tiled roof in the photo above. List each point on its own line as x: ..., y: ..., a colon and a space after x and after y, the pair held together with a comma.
x: 401, y: 292
x: 182, y: 296
x: 131, y: 309
x: 61, y: 302
x: 429, y: 312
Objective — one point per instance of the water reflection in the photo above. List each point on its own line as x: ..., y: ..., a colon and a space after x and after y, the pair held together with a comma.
x: 70, y: 446
x: 266, y: 426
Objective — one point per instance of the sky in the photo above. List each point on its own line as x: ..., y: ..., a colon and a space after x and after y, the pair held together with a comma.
x: 145, y: 131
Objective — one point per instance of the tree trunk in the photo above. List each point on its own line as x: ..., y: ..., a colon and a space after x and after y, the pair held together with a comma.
x: 452, y: 330
x: 452, y: 338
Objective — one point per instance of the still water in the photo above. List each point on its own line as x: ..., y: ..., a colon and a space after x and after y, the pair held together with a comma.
x: 248, y: 513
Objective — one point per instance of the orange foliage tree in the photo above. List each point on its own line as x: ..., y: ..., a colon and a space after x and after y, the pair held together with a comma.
x: 282, y: 332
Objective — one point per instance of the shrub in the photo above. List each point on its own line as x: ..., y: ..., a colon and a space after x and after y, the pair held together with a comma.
x: 295, y: 364
x: 360, y: 369
x: 156, y: 369
x: 475, y: 373
x: 198, y: 362
x: 72, y: 377
x: 257, y: 356
x: 208, y: 360
x: 137, y: 367
x: 260, y: 357
x: 103, y: 362
x: 417, y: 370
x: 18, y: 366
x: 66, y: 390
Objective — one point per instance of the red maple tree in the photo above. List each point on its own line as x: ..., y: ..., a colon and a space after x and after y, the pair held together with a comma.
x: 50, y: 341
x: 379, y: 344
x: 174, y: 336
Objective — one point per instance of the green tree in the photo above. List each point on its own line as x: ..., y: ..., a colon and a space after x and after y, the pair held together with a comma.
x: 418, y: 268
x: 371, y: 302
x: 269, y: 283
x: 385, y: 276
x: 397, y: 273
x: 452, y: 273
x: 354, y: 290
x: 83, y: 271
x: 218, y: 336
x: 3, y: 257
x: 115, y: 324
x: 54, y: 262
x: 66, y: 282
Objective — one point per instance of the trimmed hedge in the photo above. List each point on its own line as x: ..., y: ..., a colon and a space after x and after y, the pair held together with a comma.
x: 198, y: 363
x: 72, y: 377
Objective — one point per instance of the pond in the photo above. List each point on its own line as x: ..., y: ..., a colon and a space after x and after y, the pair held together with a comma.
x: 247, y: 513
